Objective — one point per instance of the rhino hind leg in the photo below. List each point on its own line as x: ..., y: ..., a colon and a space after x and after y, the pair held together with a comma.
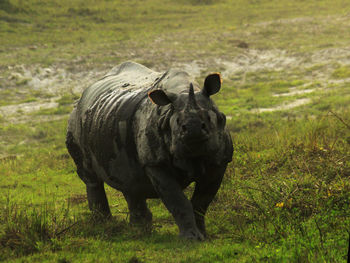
x: 96, y: 194
x: 97, y: 199
x: 139, y: 212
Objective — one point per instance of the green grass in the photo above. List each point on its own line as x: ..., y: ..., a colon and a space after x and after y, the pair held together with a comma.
x: 285, y: 196
x: 341, y: 72
x: 60, y: 110
x: 89, y: 31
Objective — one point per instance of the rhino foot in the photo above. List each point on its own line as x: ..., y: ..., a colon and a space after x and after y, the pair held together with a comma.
x: 141, y: 220
x: 192, y: 234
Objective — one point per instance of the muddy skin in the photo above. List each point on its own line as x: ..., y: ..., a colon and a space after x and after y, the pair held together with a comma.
x: 149, y: 135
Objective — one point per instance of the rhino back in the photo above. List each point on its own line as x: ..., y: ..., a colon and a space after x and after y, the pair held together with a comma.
x: 128, y: 76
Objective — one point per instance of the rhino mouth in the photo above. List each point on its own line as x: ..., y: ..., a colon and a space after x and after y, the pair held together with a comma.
x: 196, y: 146
x: 196, y: 140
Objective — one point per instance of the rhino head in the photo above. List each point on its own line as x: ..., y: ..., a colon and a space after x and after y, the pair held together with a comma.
x: 192, y: 122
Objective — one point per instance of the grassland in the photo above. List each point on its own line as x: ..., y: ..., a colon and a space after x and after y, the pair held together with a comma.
x: 286, y: 194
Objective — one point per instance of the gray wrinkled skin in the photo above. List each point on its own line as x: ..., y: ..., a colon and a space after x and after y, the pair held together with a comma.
x: 150, y: 135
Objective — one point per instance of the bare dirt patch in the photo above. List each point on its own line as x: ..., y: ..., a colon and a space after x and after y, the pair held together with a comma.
x: 51, y: 80
x: 48, y: 84
x: 285, y: 106
x: 25, y: 108
x: 57, y: 81
x: 251, y: 60
x: 294, y: 91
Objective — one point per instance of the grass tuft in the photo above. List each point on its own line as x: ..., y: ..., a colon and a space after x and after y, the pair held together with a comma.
x: 27, y: 231
x: 341, y: 72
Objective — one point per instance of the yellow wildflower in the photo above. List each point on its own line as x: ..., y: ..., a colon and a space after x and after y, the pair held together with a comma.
x: 280, y: 205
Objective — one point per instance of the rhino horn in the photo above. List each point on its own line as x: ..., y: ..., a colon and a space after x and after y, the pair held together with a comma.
x: 191, y: 103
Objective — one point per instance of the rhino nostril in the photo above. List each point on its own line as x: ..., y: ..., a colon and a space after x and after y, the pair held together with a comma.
x: 183, y: 127
x: 203, y: 126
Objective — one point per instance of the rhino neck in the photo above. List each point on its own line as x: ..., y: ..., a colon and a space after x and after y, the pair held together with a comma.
x: 177, y: 81
x: 193, y: 167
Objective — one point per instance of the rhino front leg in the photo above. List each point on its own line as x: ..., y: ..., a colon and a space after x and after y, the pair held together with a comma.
x: 175, y: 201
x: 204, y: 192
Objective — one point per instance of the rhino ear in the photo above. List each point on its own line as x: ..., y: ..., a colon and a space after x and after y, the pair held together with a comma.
x: 159, y: 97
x: 212, y: 84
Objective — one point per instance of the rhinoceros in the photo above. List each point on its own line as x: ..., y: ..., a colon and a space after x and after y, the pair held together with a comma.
x: 149, y: 135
